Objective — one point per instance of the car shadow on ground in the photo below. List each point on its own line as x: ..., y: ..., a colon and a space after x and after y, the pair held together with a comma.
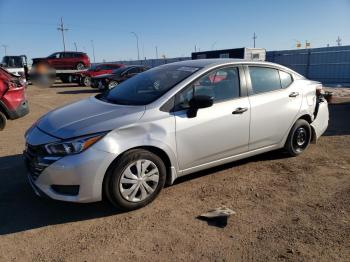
x: 79, y: 91
x: 339, y: 119
x: 21, y: 209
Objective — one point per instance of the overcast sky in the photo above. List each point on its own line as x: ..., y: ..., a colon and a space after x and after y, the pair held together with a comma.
x: 30, y: 27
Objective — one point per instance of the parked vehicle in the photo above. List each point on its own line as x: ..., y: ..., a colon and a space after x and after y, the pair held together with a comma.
x: 107, y: 81
x: 16, y: 65
x: 65, y: 60
x: 13, y: 102
x: 167, y: 122
x: 96, y: 70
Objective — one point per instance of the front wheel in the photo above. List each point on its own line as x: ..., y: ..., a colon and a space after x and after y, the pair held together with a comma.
x: 87, y: 81
x: 135, y: 179
x: 299, y: 138
x: 3, y: 120
x: 112, y: 84
x: 80, y: 66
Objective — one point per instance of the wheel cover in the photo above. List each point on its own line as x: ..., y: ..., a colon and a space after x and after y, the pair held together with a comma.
x: 80, y: 66
x: 112, y: 84
x: 139, y: 180
x: 300, y: 139
x: 87, y: 81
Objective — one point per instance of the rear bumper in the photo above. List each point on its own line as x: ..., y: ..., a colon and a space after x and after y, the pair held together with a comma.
x: 20, y: 111
x: 320, y: 122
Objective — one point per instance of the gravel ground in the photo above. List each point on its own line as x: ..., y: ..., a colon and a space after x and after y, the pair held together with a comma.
x: 288, y: 209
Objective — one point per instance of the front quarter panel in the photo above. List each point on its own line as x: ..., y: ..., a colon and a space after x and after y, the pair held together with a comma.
x: 155, y: 129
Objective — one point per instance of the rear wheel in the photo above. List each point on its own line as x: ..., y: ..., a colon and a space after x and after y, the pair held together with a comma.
x: 3, y: 120
x: 299, y: 138
x: 135, y: 179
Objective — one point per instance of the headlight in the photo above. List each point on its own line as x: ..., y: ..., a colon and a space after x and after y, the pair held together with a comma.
x: 74, y: 146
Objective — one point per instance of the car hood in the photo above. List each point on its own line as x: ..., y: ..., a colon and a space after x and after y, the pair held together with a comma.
x: 88, y: 116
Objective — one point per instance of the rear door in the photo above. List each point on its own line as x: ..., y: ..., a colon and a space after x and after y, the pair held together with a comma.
x: 275, y: 101
x: 219, y: 131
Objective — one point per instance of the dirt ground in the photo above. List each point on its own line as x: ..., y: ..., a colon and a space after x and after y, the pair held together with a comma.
x: 288, y: 209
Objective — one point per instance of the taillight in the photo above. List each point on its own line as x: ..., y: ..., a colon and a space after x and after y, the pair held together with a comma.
x: 318, y: 90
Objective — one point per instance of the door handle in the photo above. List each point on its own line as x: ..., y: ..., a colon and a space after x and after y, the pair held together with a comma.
x: 293, y: 94
x: 240, y: 110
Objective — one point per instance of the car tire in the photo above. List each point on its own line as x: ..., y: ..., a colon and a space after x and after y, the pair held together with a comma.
x: 87, y: 81
x: 135, y: 179
x: 80, y: 66
x: 299, y: 138
x: 3, y: 121
x: 112, y: 84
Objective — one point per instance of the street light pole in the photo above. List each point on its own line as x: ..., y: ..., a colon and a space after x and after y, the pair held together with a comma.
x: 93, y: 49
x: 5, y: 48
x: 254, y: 38
x: 76, y: 48
x: 157, y: 52
x: 137, y: 43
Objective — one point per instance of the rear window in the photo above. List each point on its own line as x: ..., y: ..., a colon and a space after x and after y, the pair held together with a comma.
x: 264, y: 79
x: 286, y: 79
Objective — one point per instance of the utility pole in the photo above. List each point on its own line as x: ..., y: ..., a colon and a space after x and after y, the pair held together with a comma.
x: 93, y: 49
x: 212, y: 45
x: 137, y: 44
x: 254, y: 38
x: 338, y: 41
x: 76, y: 48
x: 157, y: 52
x: 62, y: 29
x: 5, y: 48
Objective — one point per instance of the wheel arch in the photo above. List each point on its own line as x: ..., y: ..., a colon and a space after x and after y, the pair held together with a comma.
x: 308, y: 119
x: 170, y: 173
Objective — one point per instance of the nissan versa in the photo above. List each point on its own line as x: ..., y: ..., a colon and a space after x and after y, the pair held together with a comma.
x: 172, y: 120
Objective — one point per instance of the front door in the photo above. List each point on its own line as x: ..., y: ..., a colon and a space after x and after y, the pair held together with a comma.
x: 217, y: 132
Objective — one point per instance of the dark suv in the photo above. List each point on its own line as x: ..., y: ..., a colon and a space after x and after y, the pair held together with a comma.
x: 65, y: 60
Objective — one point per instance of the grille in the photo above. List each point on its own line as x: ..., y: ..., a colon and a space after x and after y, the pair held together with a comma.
x: 34, y: 161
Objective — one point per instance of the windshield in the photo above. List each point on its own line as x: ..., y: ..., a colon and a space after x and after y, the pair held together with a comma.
x: 13, y: 61
x: 148, y: 86
x: 118, y: 71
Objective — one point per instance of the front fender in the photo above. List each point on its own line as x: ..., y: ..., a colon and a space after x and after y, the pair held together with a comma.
x: 152, y: 134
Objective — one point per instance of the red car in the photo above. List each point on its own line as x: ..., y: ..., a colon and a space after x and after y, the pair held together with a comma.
x: 13, y: 102
x: 65, y: 60
x: 96, y: 70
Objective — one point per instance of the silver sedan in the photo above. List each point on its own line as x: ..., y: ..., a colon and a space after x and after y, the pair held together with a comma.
x: 170, y: 121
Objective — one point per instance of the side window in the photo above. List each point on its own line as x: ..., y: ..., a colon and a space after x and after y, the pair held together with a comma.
x: 134, y: 70
x: 264, y: 79
x: 222, y: 84
x: 286, y: 79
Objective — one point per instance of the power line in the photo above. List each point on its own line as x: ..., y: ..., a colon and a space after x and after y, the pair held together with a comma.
x: 62, y: 29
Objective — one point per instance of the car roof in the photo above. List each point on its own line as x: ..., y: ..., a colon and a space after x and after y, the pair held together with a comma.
x: 219, y: 61
x: 207, y: 63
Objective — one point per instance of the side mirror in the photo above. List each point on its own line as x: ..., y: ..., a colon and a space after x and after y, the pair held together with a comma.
x: 197, y: 102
